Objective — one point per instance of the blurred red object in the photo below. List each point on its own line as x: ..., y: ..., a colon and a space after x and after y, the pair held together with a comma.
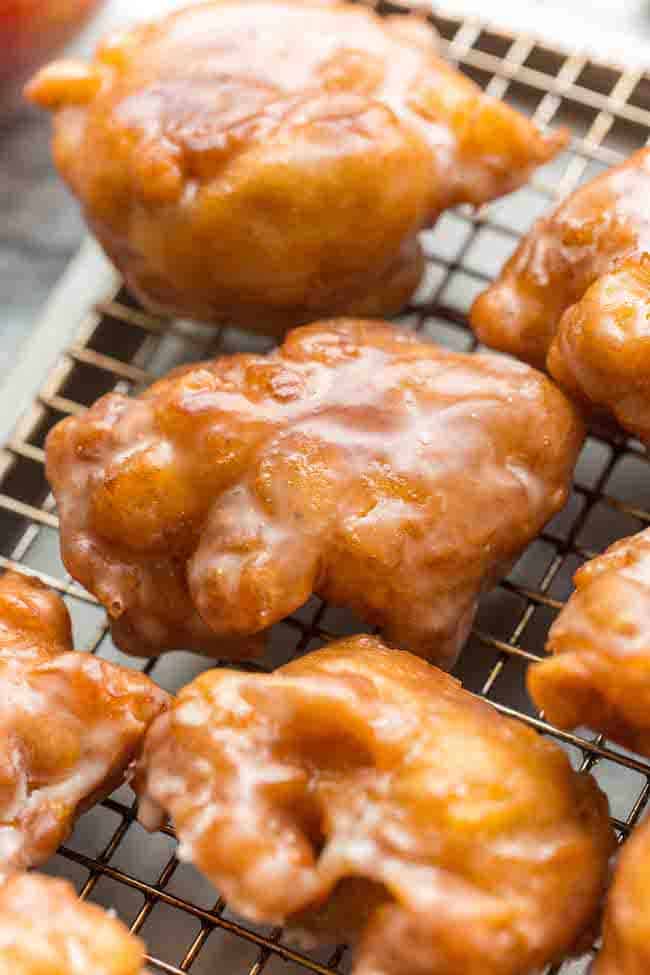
x: 30, y: 32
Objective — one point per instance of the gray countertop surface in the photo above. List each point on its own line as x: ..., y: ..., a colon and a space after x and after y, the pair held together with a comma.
x: 40, y: 227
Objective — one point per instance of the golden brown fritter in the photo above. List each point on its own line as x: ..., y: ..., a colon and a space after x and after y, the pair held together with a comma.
x: 590, y: 234
x: 601, y: 351
x: 46, y: 930
x: 626, y: 930
x: 272, y: 162
x: 599, y: 675
x: 383, y: 473
x: 70, y: 724
x: 360, y: 793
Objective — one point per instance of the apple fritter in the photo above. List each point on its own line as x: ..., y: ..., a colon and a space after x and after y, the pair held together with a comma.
x: 46, y: 930
x: 383, y: 473
x: 601, y: 351
x: 70, y: 724
x: 270, y: 163
x: 359, y: 793
x: 599, y: 674
x: 626, y: 929
x: 604, y: 223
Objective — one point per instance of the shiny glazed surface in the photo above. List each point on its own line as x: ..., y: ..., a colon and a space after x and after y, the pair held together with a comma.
x: 589, y: 235
x: 46, y: 930
x: 70, y: 723
x: 626, y: 945
x: 383, y: 473
x: 360, y: 793
x: 599, y: 675
x: 601, y: 351
x: 272, y: 162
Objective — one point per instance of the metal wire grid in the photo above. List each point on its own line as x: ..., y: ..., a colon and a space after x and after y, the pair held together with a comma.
x: 120, y: 346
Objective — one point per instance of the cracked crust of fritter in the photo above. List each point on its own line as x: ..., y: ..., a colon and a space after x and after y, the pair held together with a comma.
x: 601, y: 351
x: 359, y: 793
x: 270, y: 163
x: 46, y: 930
x: 70, y: 723
x: 383, y: 473
x: 626, y: 927
x: 602, y: 224
x: 599, y: 672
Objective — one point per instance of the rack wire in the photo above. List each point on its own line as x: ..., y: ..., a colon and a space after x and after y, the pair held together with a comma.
x: 120, y: 346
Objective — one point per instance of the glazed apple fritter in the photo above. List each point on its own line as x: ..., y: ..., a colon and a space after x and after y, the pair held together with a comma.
x: 359, y: 793
x: 270, y: 163
x: 46, y: 930
x: 601, y: 351
x: 604, y: 223
x: 626, y: 945
x: 383, y: 473
x: 599, y: 675
x: 70, y: 724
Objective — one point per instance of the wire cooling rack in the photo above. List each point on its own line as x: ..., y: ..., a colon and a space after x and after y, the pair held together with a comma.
x: 119, y: 346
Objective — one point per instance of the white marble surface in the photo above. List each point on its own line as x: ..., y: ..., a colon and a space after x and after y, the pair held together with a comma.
x: 40, y: 228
